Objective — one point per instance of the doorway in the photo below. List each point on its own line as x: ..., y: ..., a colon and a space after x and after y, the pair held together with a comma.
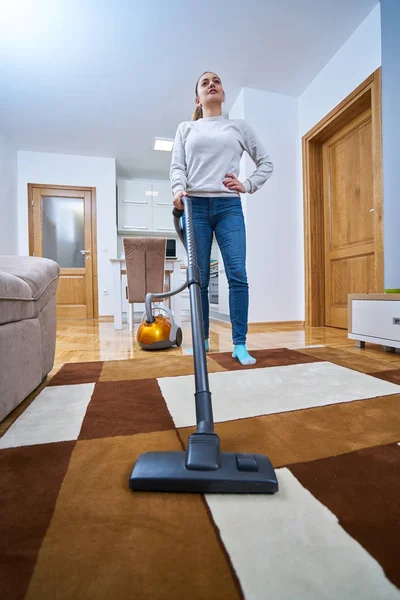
x: 343, y: 227
x: 62, y: 227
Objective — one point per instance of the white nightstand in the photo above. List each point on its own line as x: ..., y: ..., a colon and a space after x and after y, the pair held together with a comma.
x: 375, y: 318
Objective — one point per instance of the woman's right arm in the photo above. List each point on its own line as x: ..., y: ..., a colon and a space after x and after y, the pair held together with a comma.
x: 178, y: 172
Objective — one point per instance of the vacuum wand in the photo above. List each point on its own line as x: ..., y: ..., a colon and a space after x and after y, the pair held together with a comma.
x: 204, y: 413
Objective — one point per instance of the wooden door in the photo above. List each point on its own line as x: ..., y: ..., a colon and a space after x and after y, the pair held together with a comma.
x: 62, y: 228
x: 348, y: 190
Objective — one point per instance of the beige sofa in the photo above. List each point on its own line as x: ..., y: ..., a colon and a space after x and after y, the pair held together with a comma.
x: 27, y: 326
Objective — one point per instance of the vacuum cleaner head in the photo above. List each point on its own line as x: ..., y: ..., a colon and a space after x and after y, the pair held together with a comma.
x: 237, y: 474
x: 204, y: 469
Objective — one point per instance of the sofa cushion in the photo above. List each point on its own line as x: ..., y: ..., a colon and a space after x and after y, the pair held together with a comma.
x: 15, y: 299
x: 13, y: 288
x: 36, y: 274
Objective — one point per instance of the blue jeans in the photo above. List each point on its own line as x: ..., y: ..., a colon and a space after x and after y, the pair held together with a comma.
x: 224, y: 217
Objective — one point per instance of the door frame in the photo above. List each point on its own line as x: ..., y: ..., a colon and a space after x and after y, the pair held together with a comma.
x: 366, y: 95
x: 80, y: 188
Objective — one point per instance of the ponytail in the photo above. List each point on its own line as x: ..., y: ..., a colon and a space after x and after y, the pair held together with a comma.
x: 198, y: 114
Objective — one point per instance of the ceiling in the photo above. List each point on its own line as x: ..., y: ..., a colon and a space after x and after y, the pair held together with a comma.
x: 104, y: 77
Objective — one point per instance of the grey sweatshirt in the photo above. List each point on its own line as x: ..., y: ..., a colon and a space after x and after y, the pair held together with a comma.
x: 205, y: 151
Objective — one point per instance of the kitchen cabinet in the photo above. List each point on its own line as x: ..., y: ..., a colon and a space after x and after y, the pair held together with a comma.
x: 162, y: 194
x: 145, y: 206
x: 162, y: 220
x: 135, y: 218
x: 135, y: 192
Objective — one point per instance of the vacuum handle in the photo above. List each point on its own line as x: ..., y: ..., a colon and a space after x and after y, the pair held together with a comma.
x: 177, y: 213
x: 177, y: 223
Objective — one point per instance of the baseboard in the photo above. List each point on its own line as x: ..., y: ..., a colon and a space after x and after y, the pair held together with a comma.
x: 276, y: 323
x: 137, y: 317
x: 223, y: 319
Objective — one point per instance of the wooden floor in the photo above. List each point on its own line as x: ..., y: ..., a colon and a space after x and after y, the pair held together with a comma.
x: 81, y: 341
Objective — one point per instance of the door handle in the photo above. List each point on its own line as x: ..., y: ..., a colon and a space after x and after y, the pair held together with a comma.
x: 134, y: 228
x: 135, y: 201
x: 85, y: 251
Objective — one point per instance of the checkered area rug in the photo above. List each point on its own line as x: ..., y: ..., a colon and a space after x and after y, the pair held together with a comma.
x: 329, y: 420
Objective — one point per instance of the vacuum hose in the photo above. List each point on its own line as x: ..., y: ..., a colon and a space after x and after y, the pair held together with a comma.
x: 150, y: 297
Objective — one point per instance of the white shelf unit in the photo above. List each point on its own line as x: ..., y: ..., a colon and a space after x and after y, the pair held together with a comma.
x: 375, y: 318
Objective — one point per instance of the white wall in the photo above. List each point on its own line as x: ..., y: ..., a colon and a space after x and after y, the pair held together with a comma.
x: 273, y: 223
x: 62, y: 169
x: 272, y: 213
x: 8, y: 198
x: 237, y: 112
x: 391, y: 139
x: 356, y: 60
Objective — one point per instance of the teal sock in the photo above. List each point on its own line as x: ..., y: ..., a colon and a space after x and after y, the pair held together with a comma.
x: 206, y: 345
x: 240, y: 352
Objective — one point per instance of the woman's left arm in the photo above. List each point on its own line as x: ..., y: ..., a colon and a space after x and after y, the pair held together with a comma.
x: 262, y: 160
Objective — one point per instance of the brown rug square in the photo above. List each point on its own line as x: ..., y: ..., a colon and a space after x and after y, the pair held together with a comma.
x: 125, y: 408
x: 73, y: 373
x: 275, y: 357
x: 30, y: 481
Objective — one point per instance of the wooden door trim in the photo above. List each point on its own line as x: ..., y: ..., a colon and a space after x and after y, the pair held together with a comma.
x: 70, y: 188
x: 367, y: 95
x: 95, y: 278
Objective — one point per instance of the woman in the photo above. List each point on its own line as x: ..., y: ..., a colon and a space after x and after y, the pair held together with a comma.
x: 205, y: 164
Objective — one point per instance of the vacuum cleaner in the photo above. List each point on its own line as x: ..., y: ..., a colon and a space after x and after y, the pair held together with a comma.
x: 202, y: 468
x: 157, y: 332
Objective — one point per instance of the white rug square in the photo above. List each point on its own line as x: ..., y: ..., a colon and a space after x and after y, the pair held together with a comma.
x: 55, y: 415
x: 243, y: 394
x: 290, y: 547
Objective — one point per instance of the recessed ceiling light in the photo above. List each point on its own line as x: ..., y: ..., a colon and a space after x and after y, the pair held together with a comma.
x: 163, y: 144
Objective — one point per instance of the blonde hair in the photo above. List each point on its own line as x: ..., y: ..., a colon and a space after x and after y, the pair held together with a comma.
x: 198, y: 113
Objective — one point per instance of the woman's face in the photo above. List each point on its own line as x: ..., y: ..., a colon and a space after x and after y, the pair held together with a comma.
x: 209, y: 90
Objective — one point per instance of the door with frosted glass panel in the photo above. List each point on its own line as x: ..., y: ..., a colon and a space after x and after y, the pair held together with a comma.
x: 61, y: 229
